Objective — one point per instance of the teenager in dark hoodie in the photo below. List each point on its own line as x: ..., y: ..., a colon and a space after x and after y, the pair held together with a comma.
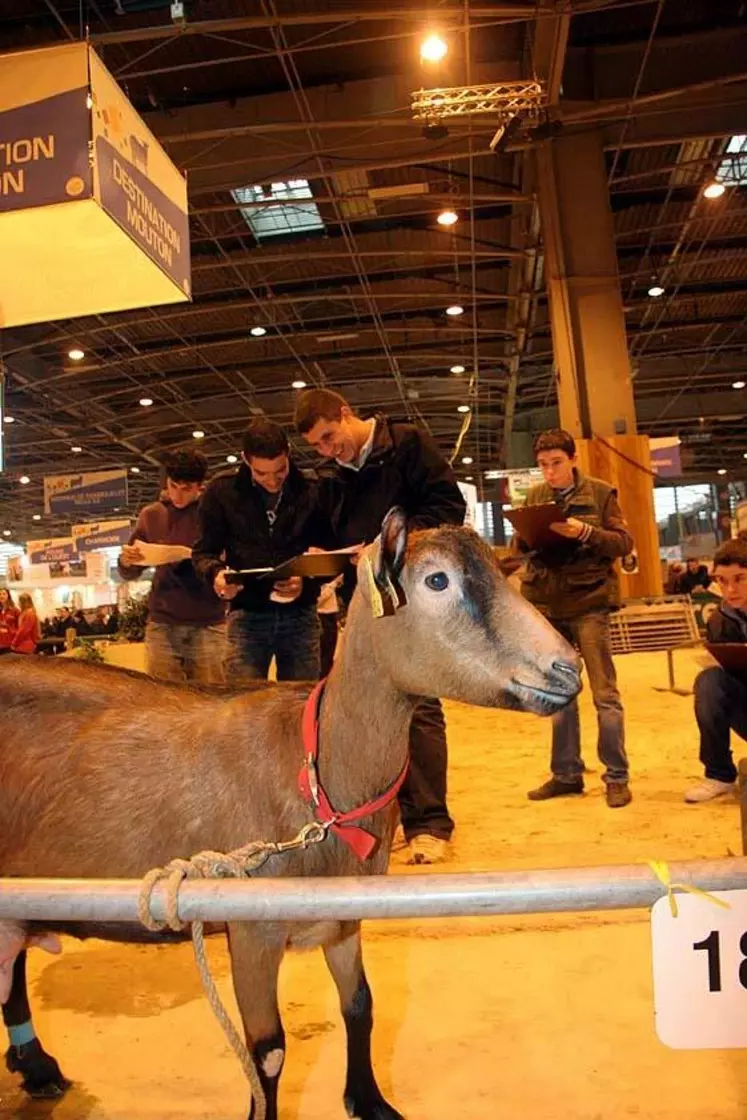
x: 185, y: 633
x: 720, y: 694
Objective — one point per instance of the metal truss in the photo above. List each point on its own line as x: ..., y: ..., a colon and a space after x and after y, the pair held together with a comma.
x: 499, y: 99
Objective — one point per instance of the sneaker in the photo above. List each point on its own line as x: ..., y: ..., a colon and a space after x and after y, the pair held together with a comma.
x: 425, y: 848
x: 708, y: 790
x: 556, y: 788
x: 618, y: 795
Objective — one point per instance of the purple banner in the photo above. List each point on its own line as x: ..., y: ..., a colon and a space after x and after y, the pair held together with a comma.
x: 144, y: 212
x: 44, y: 152
x: 666, y: 457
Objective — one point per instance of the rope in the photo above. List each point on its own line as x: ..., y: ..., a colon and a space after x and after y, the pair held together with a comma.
x: 218, y: 865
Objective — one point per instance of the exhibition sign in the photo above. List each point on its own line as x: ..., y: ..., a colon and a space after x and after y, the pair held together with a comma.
x: 87, y: 492
x: 88, y: 198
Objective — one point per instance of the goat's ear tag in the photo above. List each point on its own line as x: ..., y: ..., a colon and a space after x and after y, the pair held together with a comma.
x: 395, y: 593
x: 377, y: 602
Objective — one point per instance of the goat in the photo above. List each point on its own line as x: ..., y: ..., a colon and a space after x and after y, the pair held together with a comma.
x: 107, y: 774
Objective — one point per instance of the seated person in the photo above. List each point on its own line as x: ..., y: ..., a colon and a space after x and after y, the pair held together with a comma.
x: 721, y: 695
x: 694, y: 578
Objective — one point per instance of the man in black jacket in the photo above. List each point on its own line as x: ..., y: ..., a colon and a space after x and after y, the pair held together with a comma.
x: 721, y: 695
x: 264, y: 513
x: 380, y: 464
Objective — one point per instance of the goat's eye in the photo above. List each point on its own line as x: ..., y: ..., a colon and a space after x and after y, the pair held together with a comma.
x: 439, y: 581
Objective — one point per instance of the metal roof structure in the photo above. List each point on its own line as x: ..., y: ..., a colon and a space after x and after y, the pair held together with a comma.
x: 337, y: 253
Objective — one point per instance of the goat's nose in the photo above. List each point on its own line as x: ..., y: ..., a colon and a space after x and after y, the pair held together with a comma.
x: 569, y: 673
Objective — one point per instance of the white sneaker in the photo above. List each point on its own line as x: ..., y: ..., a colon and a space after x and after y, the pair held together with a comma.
x: 708, y: 790
x: 428, y: 849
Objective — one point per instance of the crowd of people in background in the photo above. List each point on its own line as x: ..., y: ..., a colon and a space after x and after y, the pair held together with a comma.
x: 22, y: 631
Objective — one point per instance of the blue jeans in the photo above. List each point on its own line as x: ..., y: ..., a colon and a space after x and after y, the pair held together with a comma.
x: 590, y: 634
x: 180, y: 652
x: 720, y: 708
x: 290, y: 634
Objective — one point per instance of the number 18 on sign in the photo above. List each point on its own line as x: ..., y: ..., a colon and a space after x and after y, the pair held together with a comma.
x: 700, y: 972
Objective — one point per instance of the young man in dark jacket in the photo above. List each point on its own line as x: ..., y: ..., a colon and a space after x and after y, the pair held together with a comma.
x: 185, y: 632
x: 720, y: 694
x: 573, y: 582
x: 379, y: 464
x: 256, y: 517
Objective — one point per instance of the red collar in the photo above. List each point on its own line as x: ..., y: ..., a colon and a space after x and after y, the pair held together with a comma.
x: 312, y: 790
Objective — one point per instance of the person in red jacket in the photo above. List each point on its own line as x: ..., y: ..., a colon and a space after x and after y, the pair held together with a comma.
x: 8, y: 619
x: 28, y: 632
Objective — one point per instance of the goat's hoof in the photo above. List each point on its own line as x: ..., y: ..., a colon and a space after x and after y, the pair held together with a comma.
x: 370, y: 1106
x: 42, y: 1077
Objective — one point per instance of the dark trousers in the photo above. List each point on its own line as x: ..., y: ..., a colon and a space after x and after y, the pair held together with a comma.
x: 328, y: 623
x: 720, y: 708
x: 290, y: 634
x: 422, y: 799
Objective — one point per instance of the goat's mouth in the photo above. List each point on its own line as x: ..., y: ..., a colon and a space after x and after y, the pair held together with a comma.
x: 544, y: 701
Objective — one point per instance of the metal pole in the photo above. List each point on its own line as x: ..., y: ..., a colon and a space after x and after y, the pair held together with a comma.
x: 411, y: 896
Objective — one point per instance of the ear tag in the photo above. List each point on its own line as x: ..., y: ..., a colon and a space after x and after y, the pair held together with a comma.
x: 377, y: 603
x: 395, y: 593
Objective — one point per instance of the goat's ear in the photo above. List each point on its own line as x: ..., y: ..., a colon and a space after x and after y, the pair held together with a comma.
x: 392, y: 547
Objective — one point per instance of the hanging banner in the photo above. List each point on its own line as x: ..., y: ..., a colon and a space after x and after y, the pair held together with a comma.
x: 101, y: 534
x: 51, y: 549
x: 86, y: 191
x: 78, y: 493
x: 469, y: 493
x: 666, y: 456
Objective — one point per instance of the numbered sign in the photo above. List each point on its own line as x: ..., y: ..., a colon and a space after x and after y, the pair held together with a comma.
x: 700, y: 972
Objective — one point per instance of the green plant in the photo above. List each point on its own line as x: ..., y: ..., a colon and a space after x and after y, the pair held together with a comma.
x: 133, y: 617
x: 89, y: 652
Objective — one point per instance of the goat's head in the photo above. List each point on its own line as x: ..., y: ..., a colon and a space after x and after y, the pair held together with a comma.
x: 463, y: 632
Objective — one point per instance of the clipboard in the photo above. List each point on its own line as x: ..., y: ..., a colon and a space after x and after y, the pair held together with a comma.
x: 532, y: 523
x: 731, y: 656
x: 309, y: 565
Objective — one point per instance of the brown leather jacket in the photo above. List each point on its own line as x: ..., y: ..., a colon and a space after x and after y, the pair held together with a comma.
x: 573, y: 578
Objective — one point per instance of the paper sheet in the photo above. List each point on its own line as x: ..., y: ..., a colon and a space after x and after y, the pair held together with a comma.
x: 156, y: 554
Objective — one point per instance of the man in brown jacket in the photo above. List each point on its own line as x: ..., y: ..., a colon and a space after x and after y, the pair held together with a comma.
x: 574, y: 583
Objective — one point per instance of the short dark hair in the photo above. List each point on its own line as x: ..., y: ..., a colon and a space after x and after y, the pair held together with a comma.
x: 315, y: 405
x: 186, y: 466
x: 731, y: 552
x: 265, y: 440
x: 555, y: 439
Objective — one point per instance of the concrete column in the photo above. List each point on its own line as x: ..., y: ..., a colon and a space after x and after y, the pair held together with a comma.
x: 595, y: 390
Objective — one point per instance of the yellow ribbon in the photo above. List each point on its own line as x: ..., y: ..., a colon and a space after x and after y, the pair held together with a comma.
x: 661, y: 870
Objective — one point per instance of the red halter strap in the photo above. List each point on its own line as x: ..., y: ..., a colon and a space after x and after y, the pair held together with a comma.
x: 342, y: 824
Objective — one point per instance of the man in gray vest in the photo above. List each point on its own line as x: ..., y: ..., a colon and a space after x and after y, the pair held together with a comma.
x: 573, y: 581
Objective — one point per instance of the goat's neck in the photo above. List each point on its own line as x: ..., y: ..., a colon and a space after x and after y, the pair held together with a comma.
x: 365, y: 719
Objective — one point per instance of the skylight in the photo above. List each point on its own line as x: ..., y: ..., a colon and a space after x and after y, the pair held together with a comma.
x: 277, y: 220
x: 733, y: 167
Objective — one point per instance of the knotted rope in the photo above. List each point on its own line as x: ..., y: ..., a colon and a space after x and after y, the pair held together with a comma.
x: 218, y: 865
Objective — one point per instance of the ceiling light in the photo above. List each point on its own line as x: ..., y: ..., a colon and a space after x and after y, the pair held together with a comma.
x: 6, y: 532
x: 258, y: 331
x: 714, y: 189
x: 468, y: 477
x: 463, y: 408
x: 298, y: 384
x: 467, y: 459
x: 146, y: 402
x: 455, y: 309
x: 447, y: 218
x: 232, y: 458
x: 737, y: 384
x: 457, y: 369
x: 721, y: 470
x: 655, y: 291
x: 37, y: 517
x: 135, y: 470
x: 75, y: 449
x: 198, y: 434
x: 24, y: 480
x: 76, y: 354
x: 433, y: 48
x: 9, y: 419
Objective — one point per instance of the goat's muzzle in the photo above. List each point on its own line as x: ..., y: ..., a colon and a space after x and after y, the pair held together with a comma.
x: 561, y: 683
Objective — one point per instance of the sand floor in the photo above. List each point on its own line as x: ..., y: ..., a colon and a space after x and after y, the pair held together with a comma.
x: 540, y: 1016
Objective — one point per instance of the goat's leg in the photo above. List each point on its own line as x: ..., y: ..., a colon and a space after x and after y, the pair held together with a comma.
x: 42, y: 1076
x: 255, y: 961
x: 363, y: 1098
